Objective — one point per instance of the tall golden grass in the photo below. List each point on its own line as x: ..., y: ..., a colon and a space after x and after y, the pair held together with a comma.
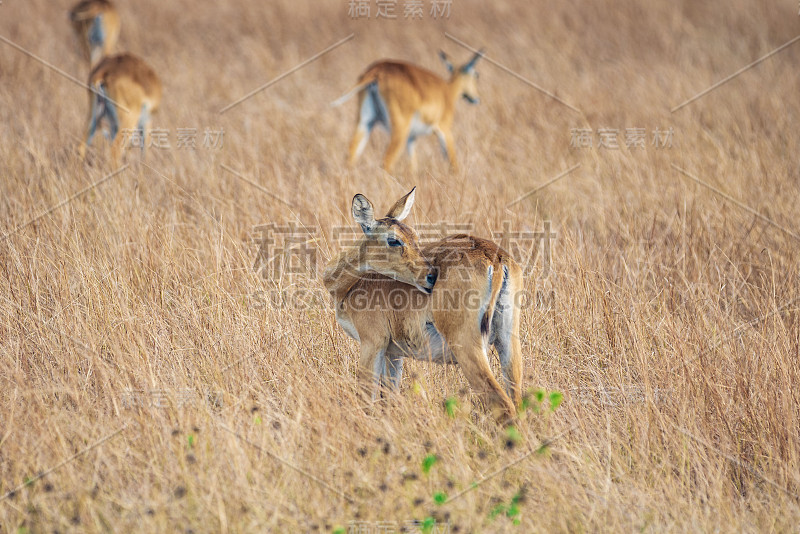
x: 669, y: 323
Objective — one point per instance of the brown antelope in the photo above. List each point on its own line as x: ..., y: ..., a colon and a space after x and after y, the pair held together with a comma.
x: 444, y: 302
x: 409, y: 102
x: 124, y: 91
x: 96, y: 22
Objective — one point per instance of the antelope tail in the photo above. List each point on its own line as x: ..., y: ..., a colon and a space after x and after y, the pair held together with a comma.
x: 349, y: 94
x: 81, y: 13
x: 496, y: 276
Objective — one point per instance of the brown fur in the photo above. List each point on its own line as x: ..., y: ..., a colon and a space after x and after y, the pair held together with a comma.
x: 82, y: 17
x: 369, y: 302
x: 409, y: 90
x: 131, y: 84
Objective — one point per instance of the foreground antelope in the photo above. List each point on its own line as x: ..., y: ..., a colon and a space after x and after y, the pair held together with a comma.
x: 409, y: 102
x: 96, y: 22
x: 444, y: 302
x: 124, y: 91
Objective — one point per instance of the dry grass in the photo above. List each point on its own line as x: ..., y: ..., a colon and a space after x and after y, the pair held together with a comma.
x: 674, y: 333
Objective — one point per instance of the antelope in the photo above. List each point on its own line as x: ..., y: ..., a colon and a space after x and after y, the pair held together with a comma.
x: 124, y: 91
x: 409, y: 102
x: 96, y: 22
x: 443, y: 302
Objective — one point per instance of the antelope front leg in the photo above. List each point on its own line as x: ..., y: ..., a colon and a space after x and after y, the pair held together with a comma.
x: 95, y: 114
x: 371, y: 367
x: 392, y: 373
x: 357, y: 144
x: 451, y: 150
x: 448, y: 146
x: 400, y: 130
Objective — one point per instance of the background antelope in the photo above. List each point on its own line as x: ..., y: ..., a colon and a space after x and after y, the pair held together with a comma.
x: 444, y: 302
x: 409, y: 102
x: 124, y: 92
x: 96, y: 22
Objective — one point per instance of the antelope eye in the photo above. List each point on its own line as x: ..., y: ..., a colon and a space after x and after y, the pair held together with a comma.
x: 392, y: 242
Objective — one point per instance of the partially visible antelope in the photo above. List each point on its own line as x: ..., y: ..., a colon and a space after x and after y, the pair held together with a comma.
x: 444, y: 302
x: 124, y: 92
x: 410, y: 102
x: 96, y: 22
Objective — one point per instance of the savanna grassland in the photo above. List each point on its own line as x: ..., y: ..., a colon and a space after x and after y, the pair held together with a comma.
x: 155, y: 375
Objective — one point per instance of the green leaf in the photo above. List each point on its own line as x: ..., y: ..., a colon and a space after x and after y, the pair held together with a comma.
x: 450, y: 405
x: 427, y: 525
x: 440, y: 497
x: 556, y: 397
x: 428, y: 462
x: 257, y: 420
x: 339, y: 530
x: 539, y: 394
x: 190, y: 440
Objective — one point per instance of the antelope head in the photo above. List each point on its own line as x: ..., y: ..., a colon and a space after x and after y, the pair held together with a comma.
x: 465, y: 76
x: 390, y: 247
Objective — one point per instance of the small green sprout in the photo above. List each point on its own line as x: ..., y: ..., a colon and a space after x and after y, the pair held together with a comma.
x: 556, y: 397
x: 450, y: 405
x: 428, y: 462
x: 427, y: 525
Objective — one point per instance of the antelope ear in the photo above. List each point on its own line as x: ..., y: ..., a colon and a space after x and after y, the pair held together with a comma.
x: 363, y: 213
x: 471, y: 63
x: 402, y: 207
x: 446, y: 61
